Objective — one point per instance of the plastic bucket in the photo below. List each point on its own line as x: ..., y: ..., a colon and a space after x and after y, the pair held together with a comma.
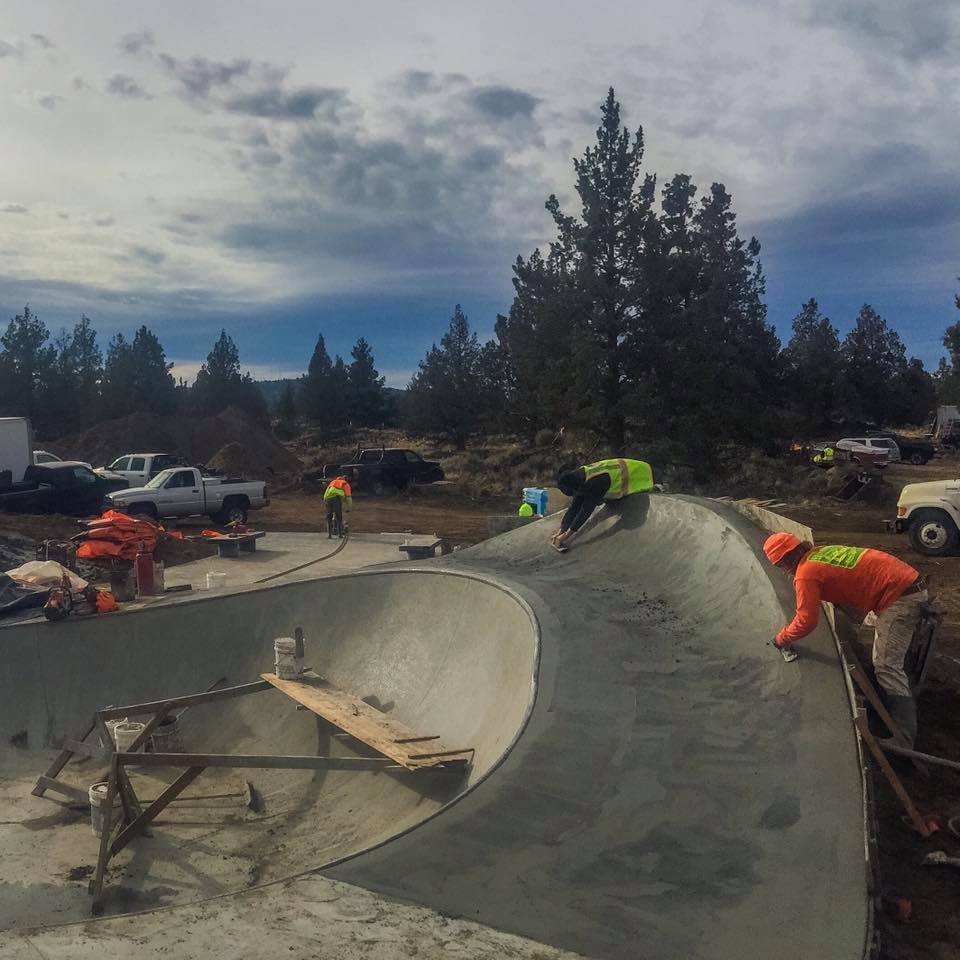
x: 98, y: 802
x: 287, y: 665
x: 125, y: 732
x: 215, y: 580
x: 166, y: 736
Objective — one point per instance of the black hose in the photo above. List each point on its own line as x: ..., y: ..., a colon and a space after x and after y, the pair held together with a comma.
x: 309, y: 563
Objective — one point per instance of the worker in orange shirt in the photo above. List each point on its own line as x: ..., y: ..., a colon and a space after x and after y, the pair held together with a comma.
x: 870, y: 581
x: 337, y: 495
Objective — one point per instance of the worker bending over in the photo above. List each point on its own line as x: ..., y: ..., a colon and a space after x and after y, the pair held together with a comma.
x: 592, y: 484
x: 868, y: 580
x: 337, y: 494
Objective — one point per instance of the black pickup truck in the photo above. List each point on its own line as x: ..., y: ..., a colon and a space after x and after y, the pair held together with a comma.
x: 380, y: 469
x: 65, y: 486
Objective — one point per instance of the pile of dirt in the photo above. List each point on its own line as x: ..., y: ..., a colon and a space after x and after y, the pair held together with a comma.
x: 231, y: 458
x: 259, y: 456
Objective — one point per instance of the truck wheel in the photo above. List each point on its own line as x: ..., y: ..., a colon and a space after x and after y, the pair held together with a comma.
x: 232, y: 513
x: 917, y: 459
x: 933, y: 533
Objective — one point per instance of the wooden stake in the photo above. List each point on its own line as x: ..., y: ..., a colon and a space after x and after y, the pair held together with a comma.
x: 898, y: 788
x: 96, y: 884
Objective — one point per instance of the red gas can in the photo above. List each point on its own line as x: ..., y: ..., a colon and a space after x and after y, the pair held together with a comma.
x: 143, y: 568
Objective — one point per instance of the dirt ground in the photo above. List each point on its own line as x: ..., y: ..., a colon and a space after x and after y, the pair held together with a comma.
x: 934, y: 892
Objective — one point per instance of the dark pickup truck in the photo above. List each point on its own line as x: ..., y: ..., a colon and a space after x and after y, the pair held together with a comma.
x: 380, y: 469
x: 62, y: 487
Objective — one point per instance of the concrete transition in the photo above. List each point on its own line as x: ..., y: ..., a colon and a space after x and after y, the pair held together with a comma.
x: 651, y: 780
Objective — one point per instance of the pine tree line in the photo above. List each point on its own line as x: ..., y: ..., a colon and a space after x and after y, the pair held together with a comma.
x: 69, y: 384
x: 644, y: 322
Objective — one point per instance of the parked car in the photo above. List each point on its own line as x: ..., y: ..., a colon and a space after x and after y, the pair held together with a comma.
x: 186, y: 492
x: 866, y: 449
x: 379, y: 469
x: 66, y: 486
x: 45, y: 456
x: 138, y: 468
x: 930, y: 514
x: 916, y: 451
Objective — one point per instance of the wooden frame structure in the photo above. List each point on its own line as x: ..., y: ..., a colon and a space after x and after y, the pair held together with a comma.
x: 400, y: 749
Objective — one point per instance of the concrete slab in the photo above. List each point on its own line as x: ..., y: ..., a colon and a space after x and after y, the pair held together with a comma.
x: 671, y: 784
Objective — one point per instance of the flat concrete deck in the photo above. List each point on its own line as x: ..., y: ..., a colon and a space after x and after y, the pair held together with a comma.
x: 670, y: 785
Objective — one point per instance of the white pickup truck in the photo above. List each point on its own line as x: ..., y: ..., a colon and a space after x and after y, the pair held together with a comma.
x: 930, y: 514
x: 186, y: 492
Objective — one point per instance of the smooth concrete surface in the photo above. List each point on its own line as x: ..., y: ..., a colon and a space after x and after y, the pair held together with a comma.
x: 401, y: 640
x: 676, y: 792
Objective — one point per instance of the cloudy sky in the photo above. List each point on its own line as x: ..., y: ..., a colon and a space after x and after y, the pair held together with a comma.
x: 357, y: 168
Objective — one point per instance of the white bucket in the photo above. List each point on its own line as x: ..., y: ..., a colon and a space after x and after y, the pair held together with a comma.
x: 215, y: 580
x: 112, y: 727
x: 287, y: 664
x: 125, y: 732
x: 98, y: 802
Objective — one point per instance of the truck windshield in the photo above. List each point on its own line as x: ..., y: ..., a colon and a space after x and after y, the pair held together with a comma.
x: 159, y: 480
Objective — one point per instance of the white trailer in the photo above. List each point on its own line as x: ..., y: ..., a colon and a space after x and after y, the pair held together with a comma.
x: 16, y: 447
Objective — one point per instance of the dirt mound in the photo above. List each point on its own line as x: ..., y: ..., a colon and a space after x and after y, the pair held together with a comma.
x: 231, y: 458
x: 196, y: 441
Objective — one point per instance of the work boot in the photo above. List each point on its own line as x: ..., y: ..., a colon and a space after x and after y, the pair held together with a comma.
x: 903, y: 712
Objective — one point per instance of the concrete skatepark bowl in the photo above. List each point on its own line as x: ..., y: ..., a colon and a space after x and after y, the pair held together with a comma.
x: 651, y: 780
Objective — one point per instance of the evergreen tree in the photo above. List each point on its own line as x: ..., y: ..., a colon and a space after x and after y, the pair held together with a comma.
x: 28, y: 360
x: 220, y: 384
x: 600, y: 253
x: 814, y: 367
x: 365, y: 401
x: 287, y: 405
x: 136, y: 376
x: 876, y: 362
x: 316, y: 391
x: 445, y: 393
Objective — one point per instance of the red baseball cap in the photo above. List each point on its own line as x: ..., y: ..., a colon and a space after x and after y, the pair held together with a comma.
x: 778, y: 545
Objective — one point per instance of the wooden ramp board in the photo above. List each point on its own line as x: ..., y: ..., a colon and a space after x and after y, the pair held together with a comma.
x: 366, y: 723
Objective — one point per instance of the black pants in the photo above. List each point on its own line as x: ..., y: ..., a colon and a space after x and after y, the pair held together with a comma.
x: 334, y: 509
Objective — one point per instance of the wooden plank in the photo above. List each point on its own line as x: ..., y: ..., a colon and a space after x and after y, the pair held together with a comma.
x: 96, y: 883
x: 155, y: 808
x: 855, y: 669
x: 65, y: 789
x: 254, y: 761
x: 128, y: 799
x: 61, y: 760
x: 150, y: 726
x: 917, y: 755
x: 898, y: 788
x: 210, y: 696
x: 364, y: 722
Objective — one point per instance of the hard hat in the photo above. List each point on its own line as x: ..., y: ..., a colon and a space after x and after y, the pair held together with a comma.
x: 778, y: 545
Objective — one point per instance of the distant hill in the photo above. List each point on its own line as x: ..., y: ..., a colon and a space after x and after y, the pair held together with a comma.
x: 272, y: 390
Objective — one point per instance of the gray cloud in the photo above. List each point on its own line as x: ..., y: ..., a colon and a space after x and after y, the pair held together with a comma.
x: 134, y: 43
x: 13, y: 208
x: 919, y: 30
x: 48, y: 101
x: 417, y: 83
x: 503, y: 102
x: 78, y: 83
x: 147, y: 255
x: 42, y: 41
x: 104, y: 221
x: 8, y: 50
x: 198, y: 76
x: 278, y: 104
x: 121, y: 85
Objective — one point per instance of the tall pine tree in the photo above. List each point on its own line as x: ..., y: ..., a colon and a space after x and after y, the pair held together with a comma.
x: 365, y: 401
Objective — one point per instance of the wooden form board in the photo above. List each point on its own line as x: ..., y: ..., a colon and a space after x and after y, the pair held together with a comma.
x: 366, y: 723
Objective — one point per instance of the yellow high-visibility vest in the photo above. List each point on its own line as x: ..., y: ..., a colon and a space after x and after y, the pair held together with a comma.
x: 626, y: 476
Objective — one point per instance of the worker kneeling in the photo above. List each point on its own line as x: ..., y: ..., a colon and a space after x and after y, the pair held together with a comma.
x: 592, y: 484
x: 869, y: 580
x: 337, y: 494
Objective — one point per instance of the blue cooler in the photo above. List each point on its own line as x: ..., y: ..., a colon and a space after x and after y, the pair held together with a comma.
x: 537, y: 498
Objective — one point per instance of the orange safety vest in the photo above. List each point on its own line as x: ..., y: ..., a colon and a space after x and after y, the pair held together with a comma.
x: 338, y: 488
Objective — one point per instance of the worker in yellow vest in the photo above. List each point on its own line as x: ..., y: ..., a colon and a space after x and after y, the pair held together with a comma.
x: 337, y: 494
x: 594, y: 483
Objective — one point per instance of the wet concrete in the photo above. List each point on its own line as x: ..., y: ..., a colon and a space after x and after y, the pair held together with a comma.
x: 674, y: 786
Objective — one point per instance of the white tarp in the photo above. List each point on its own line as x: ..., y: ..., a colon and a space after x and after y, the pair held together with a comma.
x: 947, y: 420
